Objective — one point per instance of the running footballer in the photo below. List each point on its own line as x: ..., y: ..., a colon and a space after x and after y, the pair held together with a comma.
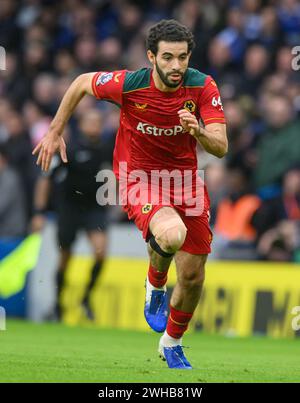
x: 161, y: 108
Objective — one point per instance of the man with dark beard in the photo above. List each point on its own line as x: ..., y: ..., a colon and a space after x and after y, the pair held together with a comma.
x: 159, y: 130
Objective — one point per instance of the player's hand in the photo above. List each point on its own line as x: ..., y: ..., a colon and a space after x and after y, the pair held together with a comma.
x: 47, y: 147
x: 189, y: 122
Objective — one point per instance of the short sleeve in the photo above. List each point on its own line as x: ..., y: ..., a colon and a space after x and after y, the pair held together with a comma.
x: 109, y: 85
x: 210, y: 104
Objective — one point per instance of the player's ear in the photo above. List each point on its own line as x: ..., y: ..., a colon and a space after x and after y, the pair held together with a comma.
x: 151, y: 56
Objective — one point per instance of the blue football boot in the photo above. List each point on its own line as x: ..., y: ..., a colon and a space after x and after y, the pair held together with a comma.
x: 174, y: 356
x: 155, y: 310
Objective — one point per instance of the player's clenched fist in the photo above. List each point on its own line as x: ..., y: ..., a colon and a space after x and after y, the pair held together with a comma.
x: 189, y: 122
x: 47, y: 147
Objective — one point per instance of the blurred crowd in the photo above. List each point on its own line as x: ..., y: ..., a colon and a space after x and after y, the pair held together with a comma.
x: 246, y: 45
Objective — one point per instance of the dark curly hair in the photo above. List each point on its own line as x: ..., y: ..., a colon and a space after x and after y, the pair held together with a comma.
x: 169, y: 31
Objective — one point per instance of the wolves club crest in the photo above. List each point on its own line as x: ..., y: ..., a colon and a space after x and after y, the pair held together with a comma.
x: 190, y: 105
x: 146, y: 208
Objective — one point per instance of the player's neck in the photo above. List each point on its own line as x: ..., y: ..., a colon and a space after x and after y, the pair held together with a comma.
x: 159, y: 84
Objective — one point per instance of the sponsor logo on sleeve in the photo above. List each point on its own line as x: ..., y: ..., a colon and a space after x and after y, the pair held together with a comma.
x: 104, y: 78
x: 117, y: 77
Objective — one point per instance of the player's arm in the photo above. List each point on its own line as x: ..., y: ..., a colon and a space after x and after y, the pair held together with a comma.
x: 41, y: 198
x: 53, y: 140
x: 213, y: 137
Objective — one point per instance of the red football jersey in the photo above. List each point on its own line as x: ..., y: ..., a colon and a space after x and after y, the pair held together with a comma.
x: 150, y: 136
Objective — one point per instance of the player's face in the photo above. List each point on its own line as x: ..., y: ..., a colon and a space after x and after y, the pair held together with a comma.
x: 171, y: 62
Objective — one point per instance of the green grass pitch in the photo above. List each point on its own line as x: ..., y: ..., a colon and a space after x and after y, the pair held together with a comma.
x: 57, y: 353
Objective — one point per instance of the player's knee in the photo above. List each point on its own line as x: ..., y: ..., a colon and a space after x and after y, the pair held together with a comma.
x: 173, y: 238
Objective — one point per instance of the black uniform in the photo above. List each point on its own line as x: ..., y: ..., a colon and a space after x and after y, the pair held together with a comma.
x: 76, y: 188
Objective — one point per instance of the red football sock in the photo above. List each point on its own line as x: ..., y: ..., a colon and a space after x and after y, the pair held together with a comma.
x: 157, y: 278
x: 178, y: 322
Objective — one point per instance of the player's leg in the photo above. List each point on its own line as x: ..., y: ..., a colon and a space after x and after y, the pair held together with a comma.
x: 185, y: 297
x: 64, y: 257
x: 66, y: 233
x: 168, y: 235
x: 98, y: 240
x: 190, y: 278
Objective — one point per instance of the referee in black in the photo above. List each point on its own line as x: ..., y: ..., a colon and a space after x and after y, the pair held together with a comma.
x: 73, y: 187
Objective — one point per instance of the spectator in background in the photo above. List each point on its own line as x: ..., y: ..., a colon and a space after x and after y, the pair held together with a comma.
x: 280, y: 243
x: 273, y: 85
x: 44, y: 93
x: 65, y: 65
x: 129, y: 23
x: 277, y: 221
x: 86, y: 53
x: 233, y: 230
x: 292, y: 91
x: 289, y: 18
x: 256, y: 64
x: 215, y: 179
x: 5, y: 109
x: 9, y: 31
x: 280, y: 143
x: 233, y: 36
x: 35, y: 59
x: 12, y: 207
x: 110, y: 54
x: 19, y: 148
x: 219, y: 58
x: 271, y: 35
x: 283, y: 61
x: 36, y: 120
x: 240, y: 135
x: 252, y: 19
x: 159, y: 9
x: 12, y: 84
